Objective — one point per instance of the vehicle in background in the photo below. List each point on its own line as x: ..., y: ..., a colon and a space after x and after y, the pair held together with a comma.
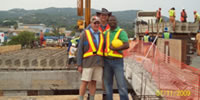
x: 145, y: 17
x: 51, y: 42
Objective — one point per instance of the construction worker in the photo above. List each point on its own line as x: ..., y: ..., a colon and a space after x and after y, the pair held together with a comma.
x: 147, y: 42
x: 196, y: 17
x: 198, y: 43
x: 90, y: 57
x: 158, y: 16
x: 41, y: 38
x: 147, y: 38
x: 172, y: 16
x: 113, y: 60
x: 72, y: 54
x: 183, y: 16
x: 166, y: 34
x: 104, y: 15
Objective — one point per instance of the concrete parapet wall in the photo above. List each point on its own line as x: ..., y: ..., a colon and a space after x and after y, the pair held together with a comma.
x: 4, y: 49
x: 139, y: 78
x: 39, y: 80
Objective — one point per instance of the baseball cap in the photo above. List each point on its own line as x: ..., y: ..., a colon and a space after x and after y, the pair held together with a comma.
x: 94, y: 19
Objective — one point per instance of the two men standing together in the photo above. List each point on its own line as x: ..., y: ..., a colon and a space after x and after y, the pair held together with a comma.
x: 97, y: 57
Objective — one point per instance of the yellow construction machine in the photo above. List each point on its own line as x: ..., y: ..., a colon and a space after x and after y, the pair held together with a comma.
x: 82, y: 23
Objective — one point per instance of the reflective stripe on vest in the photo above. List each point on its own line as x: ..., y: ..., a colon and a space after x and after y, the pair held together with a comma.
x: 171, y: 13
x: 92, y: 48
x: 146, y: 38
x: 109, y: 52
x: 166, y: 35
x: 107, y: 28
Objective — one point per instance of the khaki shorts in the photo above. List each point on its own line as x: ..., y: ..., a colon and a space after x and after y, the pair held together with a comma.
x: 93, y: 73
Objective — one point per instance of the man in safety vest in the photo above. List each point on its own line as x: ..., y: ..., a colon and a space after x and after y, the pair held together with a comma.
x: 196, y: 17
x: 198, y: 43
x: 183, y: 16
x: 113, y: 61
x: 90, y: 57
x: 147, y: 42
x: 146, y: 37
x: 104, y: 15
x: 158, y: 16
x: 172, y: 16
x: 166, y: 34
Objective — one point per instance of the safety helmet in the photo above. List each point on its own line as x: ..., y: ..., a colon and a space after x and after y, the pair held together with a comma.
x: 146, y: 32
x: 73, y: 44
x: 117, y: 43
x: 195, y: 11
x: 166, y: 29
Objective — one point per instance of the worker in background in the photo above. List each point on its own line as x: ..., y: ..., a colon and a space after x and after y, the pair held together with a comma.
x: 146, y: 37
x: 113, y: 60
x: 166, y: 34
x: 104, y: 15
x: 183, y: 16
x: 196, y: 17
x: 72, y: 54
x: 198, y: 43
x: 147, y: 42
x: 41, y: 38
x: 158, y: 16
x: 172, y: 16
x: 90, y: 57
x: 75, y: 40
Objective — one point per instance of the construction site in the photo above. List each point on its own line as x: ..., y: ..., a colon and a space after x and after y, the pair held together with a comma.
x: 169, y: 69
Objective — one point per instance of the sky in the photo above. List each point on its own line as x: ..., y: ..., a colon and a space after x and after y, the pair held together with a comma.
x: 111, y: 5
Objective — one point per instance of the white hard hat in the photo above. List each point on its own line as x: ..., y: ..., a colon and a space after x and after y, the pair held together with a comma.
x: 73, y: 44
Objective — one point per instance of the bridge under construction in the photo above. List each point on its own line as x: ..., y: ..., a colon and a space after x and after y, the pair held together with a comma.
x: 31, y: 72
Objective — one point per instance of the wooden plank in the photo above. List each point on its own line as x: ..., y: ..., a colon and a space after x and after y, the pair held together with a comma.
x: 177, y: 50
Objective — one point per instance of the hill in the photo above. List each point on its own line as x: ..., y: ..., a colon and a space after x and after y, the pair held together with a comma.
x: 62, y: 17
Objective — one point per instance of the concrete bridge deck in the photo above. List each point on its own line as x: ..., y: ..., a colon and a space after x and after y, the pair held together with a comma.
x: 58, y: 97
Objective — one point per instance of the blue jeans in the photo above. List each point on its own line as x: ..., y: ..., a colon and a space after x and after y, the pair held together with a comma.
x: 111, y: 68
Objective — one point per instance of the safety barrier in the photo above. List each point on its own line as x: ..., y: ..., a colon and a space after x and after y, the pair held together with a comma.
x: 174, y: 80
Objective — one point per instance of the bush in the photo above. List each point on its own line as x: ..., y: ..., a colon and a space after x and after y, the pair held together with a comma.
x: 24, y: 38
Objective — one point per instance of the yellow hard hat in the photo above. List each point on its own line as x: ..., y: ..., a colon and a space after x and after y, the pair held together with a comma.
x: 117, y: 43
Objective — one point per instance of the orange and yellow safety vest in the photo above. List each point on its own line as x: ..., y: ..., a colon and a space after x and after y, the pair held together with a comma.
x: 107, y: 28
x: 92, y: 48
x: 107, y: 51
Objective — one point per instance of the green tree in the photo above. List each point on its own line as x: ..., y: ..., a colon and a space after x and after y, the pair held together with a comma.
x: 24, y: 38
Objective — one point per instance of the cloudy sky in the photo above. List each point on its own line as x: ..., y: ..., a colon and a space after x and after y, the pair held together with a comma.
x: 112, y: 5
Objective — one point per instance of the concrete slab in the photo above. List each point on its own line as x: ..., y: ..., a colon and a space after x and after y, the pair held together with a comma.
x: 61, y: 97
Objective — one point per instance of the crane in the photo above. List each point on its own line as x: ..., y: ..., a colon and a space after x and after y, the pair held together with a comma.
x: 83, y: 23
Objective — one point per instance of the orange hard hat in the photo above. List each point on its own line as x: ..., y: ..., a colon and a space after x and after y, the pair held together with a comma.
x: 146, y: 32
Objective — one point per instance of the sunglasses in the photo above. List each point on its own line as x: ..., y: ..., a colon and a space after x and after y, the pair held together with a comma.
x: 96, y: 22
